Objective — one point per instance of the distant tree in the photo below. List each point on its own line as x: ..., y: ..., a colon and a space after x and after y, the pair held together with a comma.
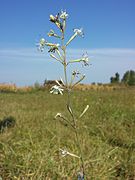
x: 129, y: 78
x: 115, y: 79
x: 112, y: 80
x: 131, y: 81
x: 125, y: 77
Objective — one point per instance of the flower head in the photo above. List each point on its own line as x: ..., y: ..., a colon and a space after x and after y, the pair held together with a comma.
x: 56, y: 90
x: 58, y: 115
x: 57, y: 45
x: 53, y: 48
x: 64, y: 15
x: 75, y: 73
x: 79, y: 32
x: 85, y: 59
x: 56, y: 20
x: 52, y: 33
x: 53, y: 19
x: 41, y: 44
x: 65, y: 153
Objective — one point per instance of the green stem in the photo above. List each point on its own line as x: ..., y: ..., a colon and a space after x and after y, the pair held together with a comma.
x: 64, y: 59
x: 69, y: 105
x: 77, y: 137
x: 80, y: 151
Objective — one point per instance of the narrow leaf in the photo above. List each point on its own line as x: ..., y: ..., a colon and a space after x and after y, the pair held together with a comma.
x: 84, y: 111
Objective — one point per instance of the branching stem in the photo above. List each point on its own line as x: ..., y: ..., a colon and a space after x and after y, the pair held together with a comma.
x: 69, y: 107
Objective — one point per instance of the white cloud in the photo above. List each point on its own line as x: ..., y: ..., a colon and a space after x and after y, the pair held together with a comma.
x: 20, y: 63
x: 22, y: 53
x: 120, y: 52
x: 106, y: 62
x: 102, y: 52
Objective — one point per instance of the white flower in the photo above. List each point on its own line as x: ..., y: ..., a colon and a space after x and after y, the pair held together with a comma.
x: 56, y: 90
x: 79, y: 32
x: 65, y: 153
x: 85, y: 59
x: 75, y: 73
x: 42, y: 41
x: 64, y: 15
x: 54, y: 19
x: 53, y: 47
x: 57, y: 45
x: 52, y: 33
x: 41, y: 44
x: 58, y: 115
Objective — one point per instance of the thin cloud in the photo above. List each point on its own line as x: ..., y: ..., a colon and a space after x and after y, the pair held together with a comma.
x: 38, y: 66
x: 113, y: 52
x: 103, y: 52
x: 22, y: 54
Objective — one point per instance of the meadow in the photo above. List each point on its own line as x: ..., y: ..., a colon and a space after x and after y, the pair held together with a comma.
x: 30, y: 149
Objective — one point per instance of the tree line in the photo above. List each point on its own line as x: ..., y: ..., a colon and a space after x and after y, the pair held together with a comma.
x: 127, y: 79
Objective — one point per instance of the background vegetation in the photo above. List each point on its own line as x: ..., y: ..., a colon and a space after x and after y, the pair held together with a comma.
x: 29, y: 150
x: 127, y: 79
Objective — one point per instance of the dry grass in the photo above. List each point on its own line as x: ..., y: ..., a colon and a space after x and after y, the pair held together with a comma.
x: 107, y: 131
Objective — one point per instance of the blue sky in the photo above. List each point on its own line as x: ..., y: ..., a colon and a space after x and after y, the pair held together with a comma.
x: 109, y: 28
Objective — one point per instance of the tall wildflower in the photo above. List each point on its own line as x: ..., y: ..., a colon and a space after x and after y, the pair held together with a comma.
x: 58, y: 52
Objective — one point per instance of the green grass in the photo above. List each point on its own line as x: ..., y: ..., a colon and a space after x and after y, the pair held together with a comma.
x: 30, y: 150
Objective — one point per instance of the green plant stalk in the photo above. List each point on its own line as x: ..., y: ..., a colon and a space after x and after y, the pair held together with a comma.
x: 69, y: 105
x: 64, y: 58
x: 76, y: 135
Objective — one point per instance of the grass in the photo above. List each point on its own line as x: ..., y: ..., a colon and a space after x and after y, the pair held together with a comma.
x: 30, y: 150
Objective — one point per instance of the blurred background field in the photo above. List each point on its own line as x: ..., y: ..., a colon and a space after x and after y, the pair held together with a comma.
x: 30, y: 149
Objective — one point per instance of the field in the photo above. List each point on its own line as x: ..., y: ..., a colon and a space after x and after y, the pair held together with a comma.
x: 30, y: 149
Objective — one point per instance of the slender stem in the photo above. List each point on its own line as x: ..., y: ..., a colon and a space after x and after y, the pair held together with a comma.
x: 80, y: 151
x: 64, y: 59
x: 69, y: 104
x: 59, y: 54
x: 77, y: 137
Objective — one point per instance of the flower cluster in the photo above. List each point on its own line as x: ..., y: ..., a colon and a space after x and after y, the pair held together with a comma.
x: 57, y: 51
x: 56, y: 90
x: 57, y: 19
